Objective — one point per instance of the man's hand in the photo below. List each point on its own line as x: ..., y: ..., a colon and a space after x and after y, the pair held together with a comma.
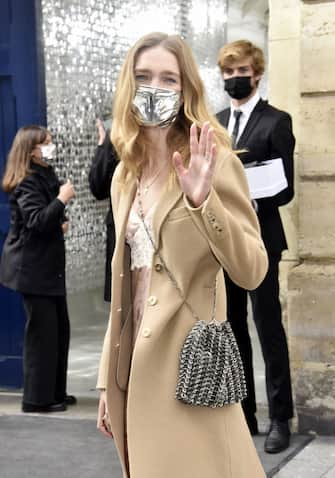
x: 65, y: 227
x: 101, y: 132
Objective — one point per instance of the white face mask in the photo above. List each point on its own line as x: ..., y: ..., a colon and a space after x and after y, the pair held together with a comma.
x: 48, y: 151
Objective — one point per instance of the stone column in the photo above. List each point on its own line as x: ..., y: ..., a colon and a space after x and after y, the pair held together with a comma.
x: 284, y: 93
x: 302, y: 77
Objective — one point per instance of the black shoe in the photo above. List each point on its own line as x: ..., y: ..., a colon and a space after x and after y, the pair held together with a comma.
x: 252, y: 424
x: 70, y: 400
x: 278, y: 438
x: 54, y: 407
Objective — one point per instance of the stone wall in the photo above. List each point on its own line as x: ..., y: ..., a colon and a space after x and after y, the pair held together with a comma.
x: 302, y: 81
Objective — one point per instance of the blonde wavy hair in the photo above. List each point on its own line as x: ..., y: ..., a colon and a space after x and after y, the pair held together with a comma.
x: 127, y: 136
x: 20, y: 155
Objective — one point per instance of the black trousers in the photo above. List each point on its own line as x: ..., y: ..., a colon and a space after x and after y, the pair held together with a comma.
x: 46, y: 347
x: 268, y: 320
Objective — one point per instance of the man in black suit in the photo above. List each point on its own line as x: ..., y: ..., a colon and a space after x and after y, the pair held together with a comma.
x: 262, y: 133
x: 100, y: 178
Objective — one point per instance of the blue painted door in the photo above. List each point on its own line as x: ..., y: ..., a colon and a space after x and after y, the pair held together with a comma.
x: 22, y: 101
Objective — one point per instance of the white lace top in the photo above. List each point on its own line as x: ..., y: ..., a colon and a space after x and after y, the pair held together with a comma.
x: 138, y: 240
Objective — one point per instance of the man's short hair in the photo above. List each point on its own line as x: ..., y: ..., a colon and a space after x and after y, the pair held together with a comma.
x: 240, y: 50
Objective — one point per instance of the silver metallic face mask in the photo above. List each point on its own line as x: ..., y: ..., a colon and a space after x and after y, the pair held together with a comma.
x: 155, y: 106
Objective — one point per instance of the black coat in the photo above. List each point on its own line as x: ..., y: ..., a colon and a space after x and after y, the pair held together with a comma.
x: 100, y: 178
x: 268, y: 135
x: 33, y: 256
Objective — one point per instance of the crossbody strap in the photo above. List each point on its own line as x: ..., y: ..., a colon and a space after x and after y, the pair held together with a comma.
x: 167, y: 270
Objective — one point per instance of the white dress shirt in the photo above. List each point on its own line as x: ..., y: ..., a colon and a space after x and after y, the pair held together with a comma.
x: 246, y: 110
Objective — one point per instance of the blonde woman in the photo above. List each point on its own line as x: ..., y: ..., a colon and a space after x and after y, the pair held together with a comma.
x: 179, y: 180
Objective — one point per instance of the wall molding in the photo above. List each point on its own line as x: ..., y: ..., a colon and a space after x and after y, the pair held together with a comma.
x: 313, y: 94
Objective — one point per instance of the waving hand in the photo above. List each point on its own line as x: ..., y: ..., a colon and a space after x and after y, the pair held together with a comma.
x: 196, y: 179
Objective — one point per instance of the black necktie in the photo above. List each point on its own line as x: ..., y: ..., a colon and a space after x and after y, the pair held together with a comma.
x: 237, y: 116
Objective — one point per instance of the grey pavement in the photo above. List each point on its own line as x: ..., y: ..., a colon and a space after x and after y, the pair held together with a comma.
x: 316, y: 460
x: 67, y: 444
x: 44, y: 446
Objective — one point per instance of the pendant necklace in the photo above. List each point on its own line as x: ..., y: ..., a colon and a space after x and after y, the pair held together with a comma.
x: 148, y: 186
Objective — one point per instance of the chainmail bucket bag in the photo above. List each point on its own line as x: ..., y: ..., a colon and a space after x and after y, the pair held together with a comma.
x: 210, y: 367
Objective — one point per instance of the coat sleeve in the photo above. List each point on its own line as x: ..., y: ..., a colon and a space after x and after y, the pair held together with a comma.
x: 105, y: 355
x: 282, y: 144
x: 38, y: 214
x: 230, y: 225
x: 104, y: 360
x: 102, y: 170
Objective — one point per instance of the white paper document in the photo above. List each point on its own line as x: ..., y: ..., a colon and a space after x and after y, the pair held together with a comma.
x: 266, y: 179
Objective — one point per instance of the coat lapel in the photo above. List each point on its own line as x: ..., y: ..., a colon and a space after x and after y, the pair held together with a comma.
x: 126, y: 201
x: 120, y: 220
x: 251, y: 124
x: 166, y: 202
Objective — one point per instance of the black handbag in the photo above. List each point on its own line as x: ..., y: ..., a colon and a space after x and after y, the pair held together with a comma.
x: 210, y: 366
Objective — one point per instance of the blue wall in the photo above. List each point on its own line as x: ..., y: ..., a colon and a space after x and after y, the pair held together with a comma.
x: 22, y: 101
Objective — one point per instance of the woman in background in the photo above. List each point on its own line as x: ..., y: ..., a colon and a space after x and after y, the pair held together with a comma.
x: 33, y: 263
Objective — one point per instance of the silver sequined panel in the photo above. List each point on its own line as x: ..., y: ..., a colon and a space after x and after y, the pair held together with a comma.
x: 85, y: 43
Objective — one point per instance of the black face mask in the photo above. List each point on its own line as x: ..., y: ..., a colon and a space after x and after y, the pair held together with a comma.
x: 238, y: 87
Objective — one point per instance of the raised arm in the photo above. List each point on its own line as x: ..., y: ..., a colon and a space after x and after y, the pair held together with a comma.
x: 102, y: 169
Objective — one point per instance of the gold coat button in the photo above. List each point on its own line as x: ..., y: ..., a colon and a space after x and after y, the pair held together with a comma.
x: 152, y: 300
x: 158, y: 267
x: 146, y: 332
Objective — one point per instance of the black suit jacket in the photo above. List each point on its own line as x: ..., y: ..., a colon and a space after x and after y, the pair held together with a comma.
x: 101, y: 173
x: 268, y: 135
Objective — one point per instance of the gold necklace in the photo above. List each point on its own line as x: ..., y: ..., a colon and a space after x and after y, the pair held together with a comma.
x: 148, y: 186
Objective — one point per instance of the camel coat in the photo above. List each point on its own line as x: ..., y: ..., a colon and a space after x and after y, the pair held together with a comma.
x: 166, y: 438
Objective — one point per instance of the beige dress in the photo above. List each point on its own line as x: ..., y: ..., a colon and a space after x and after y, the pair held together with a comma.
x: 141, y: 259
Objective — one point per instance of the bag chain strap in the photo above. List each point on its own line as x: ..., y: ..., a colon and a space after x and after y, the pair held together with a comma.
x: 167, y: 270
